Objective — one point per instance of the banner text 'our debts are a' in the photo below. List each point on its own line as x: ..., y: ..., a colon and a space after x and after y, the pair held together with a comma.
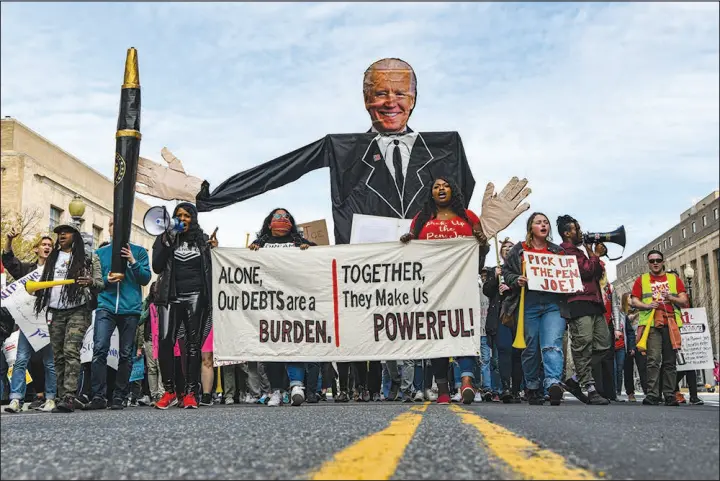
x: 350, y: 302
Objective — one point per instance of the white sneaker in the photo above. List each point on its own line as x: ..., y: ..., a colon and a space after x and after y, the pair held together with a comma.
x: 144, y: 401
x: 456, y: 398
x: 14, y: 406
x: 275, y: 399
x: 250, y: 399
x: 478, y: 397
x: 229, y: 400
x: 419, y: 397
x: 297, y: 395
x: 47, y: 406
x: 431, y: 395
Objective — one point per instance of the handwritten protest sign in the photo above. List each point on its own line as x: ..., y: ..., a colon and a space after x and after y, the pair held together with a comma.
x: 552, y: 273
x: 347, y: 303
x: 86, y: 351
x: 21, y: 306
x: 696, y: 350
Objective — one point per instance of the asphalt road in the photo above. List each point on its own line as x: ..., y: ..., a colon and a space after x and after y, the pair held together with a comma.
x: 366, y: 441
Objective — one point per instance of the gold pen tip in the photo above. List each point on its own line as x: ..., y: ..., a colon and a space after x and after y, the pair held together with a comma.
x: 132, y: 74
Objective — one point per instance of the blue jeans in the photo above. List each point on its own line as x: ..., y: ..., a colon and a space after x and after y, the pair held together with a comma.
x: 619, y: 369
x: 105, y: 324
x: 489, y: 366
x: 17, y: 383
x: 544, y: 329
x: 296, y: 374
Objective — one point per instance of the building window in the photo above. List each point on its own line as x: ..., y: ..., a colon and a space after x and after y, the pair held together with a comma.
x: 704, y: 220
x: 670, y: 241
x: 55, y: 217
x: 694, y: 228
x: 664, y: 244
x: 715, y: 213
x: 97, y: 236
x: 684, y: 233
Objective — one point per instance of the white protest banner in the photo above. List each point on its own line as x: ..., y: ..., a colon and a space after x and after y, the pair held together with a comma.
x: 696, y: 350
x: 86, y: 351
x: 347, y: 302
x: 552, y: 273
x: 21, y: 306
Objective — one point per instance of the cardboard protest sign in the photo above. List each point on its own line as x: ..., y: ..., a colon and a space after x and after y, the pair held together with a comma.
x: 552, y: 273
x: 347, y: 303
x: 696, y: 351
x: 316, y: 231
x: 21, y: 306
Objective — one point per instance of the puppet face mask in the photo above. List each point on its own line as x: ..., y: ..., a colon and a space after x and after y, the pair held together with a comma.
x: 389, y: 99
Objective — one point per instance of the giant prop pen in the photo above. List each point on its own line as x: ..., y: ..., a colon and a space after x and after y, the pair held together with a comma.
x: 127, y: 151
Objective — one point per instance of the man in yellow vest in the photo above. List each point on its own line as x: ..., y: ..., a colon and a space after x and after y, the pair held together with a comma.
x: 659, y: 296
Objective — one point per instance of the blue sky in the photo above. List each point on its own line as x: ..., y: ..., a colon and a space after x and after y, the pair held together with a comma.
x: 598, y: 105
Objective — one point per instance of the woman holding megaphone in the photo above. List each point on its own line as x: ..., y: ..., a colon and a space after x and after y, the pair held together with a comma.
x: 540, y: 327
x: 182, y: 259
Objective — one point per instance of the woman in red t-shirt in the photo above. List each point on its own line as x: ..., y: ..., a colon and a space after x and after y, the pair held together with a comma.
x: 444, y: 216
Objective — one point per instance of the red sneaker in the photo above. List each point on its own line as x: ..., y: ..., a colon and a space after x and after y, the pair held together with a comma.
x: 443, y: 398
x: 181, y: 398
x: 468, y: 393
x: 167, y: 400
x: 190, y: 401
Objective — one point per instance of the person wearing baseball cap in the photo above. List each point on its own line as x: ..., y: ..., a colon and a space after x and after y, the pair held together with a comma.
x: 67, y: 308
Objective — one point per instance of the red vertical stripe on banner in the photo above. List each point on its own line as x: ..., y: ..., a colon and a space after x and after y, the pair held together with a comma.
x: 335, y: 303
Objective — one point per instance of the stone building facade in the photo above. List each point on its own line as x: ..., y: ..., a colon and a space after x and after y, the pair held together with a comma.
x: 39, y: 176
x: 694, y: 241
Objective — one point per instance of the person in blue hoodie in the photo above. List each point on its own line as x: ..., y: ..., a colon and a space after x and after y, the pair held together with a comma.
x: 119, y: 305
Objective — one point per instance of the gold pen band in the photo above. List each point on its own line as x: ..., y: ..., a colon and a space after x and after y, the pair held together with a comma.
x: 128, y: 133
x: 131, y: 86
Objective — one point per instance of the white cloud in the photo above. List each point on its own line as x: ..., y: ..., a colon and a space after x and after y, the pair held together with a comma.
x: 598, y: 105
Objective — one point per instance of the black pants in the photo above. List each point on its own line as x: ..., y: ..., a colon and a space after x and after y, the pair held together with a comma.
x: 629, y: 374
x: 368, y: 375
x: 3, y: 378
x: 37, y: 372
x: 603, y: 369
x: 312, y: 374
x: 509, y: 360
x: 277, y: 374
x: 691, y: 380
x: 328, y: 375
x: 190, y: 310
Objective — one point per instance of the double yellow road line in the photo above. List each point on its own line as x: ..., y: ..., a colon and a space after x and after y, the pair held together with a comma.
x: 377, y: 456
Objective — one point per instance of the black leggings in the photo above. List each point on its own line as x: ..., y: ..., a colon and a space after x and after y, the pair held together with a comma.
x: 190, y: 310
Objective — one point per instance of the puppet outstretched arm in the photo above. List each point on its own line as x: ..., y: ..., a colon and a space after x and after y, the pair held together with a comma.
x: 265, y: 177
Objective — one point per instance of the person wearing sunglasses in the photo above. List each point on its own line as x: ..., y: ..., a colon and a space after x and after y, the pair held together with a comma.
x: 279, y: 230
x: 659, y: 296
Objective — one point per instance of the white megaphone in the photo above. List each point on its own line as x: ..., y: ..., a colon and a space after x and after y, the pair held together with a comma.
x: 157, y: 220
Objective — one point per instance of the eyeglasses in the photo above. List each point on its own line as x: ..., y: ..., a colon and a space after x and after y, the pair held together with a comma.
x: 655, y: 261
x: 281, y: 216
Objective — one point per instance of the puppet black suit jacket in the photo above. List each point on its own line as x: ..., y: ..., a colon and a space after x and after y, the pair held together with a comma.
x: 360, y: 180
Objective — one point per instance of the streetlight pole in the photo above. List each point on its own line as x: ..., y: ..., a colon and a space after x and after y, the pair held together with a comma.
x: 689, y: 275
x: 77, y: 210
